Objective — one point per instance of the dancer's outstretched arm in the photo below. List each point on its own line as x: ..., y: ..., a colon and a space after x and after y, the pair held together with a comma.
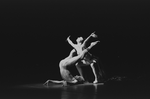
x: 92, y: 35
x: 92, y: 44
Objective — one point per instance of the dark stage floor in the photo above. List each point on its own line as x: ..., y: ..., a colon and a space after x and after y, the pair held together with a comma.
x: 125, y: 89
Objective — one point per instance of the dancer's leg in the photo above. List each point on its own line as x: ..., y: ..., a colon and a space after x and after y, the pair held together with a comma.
x: 94, y: 72
x: 78, y: 66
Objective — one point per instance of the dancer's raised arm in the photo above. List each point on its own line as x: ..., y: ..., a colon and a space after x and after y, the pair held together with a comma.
x: 70, y: 42
x: 92, y: 44
x: 92, y: 35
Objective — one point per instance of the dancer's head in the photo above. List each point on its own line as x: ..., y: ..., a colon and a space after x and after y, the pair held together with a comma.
x: 79, y: 40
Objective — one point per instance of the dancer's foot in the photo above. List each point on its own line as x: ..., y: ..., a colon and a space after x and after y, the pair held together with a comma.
x: 95, y: 81
x: 46, y: 83
x: 79, y: 78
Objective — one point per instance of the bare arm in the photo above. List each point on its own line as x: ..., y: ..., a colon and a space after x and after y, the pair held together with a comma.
x: 70, y: 42
x: 92, y: 44
x: 92, y: 35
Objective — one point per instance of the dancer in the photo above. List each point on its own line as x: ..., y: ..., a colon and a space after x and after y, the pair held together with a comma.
x: 67, y: 62
x: 88, y: 59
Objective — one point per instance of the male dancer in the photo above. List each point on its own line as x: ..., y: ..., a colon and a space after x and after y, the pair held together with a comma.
x: 88, y: 59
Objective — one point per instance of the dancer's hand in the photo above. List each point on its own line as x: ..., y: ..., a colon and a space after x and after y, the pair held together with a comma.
x: 94, y: 35
x: 68, y: 38
x: 94, y: 43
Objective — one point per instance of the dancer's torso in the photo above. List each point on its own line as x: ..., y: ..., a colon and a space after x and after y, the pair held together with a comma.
x: 65, y: 73
x: 79, y: 49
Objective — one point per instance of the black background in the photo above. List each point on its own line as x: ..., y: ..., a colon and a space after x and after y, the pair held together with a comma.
x: 33, y: 36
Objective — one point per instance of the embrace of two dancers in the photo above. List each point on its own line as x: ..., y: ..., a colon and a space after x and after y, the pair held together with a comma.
x: 79, y: 56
